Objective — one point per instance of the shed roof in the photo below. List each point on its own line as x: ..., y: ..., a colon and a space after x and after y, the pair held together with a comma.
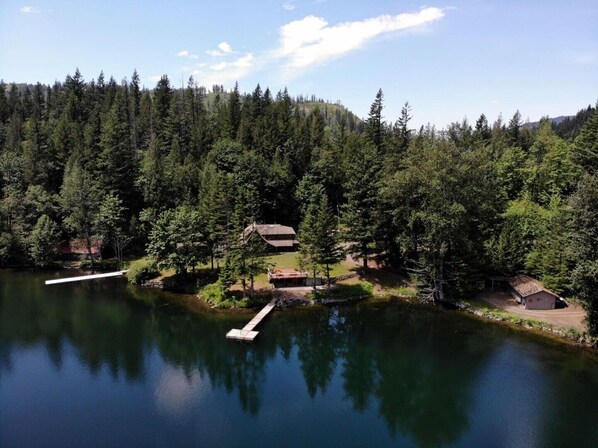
x: 78, y: 246
x: 527, y: 286
x: 279, y: 274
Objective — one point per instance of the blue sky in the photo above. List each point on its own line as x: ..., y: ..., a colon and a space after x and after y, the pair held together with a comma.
x: 450, y: 59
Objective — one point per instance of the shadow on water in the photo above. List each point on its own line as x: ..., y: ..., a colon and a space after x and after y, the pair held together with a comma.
x: 418, y: 370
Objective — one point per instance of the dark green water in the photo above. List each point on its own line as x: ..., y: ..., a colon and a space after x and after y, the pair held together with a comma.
x: 104, y: 364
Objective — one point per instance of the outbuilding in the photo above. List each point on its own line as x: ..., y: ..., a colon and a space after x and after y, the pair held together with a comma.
x: 531, y: 293
x: 282, y: 278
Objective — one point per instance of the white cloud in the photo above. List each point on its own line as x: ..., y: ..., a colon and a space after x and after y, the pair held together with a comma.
x: 312, y: 40
x: 155, y: 78
x: 243, y: 62
x: 30, y: 10
x: 223, y: 49
x: 288, y: 5
x: 226, y: 72
x: 186, y: 54
x: 307, y: 42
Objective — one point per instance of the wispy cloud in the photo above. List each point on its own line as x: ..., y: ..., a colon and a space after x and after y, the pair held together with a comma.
x: 288, y: 5
x: 244, y: 62
x: 186, y: 54
x: 312, y: 40
x: 223, y: 49
x: 305, y: 43
x: 154, y: 78
x: 582, y: 58
x: 30, y: 10
x: 225, y: 72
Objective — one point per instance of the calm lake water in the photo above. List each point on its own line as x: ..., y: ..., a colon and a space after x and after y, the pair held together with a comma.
x: 102, y: 363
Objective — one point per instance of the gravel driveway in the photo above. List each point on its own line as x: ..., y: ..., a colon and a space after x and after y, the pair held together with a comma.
x: 571, y: 316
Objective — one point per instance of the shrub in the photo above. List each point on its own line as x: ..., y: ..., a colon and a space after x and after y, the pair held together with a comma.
x: 342, y: 292
x: 215, y: 293
x: 141, y: 271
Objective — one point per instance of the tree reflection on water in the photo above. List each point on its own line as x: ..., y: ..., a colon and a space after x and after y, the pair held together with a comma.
x: 415, y: 367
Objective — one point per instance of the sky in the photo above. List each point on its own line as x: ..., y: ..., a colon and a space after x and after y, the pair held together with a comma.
x: 450, y: 60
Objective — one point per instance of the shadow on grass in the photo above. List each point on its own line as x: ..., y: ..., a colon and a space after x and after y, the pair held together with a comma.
x: 389, y: 281
x: 191, y: 282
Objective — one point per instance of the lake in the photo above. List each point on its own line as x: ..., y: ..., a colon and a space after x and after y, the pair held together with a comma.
x: 103, y: 363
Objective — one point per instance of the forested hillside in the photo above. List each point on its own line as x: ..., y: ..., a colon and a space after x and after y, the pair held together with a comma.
x: 169, y: 173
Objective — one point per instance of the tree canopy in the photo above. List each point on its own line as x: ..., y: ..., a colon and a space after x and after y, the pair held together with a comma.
x: 177, y: 174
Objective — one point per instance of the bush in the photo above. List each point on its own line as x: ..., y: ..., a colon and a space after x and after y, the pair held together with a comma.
x: 215, y: 293
x: 141, y: 271
x: 342, y: 292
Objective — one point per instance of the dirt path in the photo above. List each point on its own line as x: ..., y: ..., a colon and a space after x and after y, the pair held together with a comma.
x: 572, y: 316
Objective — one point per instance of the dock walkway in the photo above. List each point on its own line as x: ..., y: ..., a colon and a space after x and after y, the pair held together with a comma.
x: 247, y: 333
x: 85, y: 277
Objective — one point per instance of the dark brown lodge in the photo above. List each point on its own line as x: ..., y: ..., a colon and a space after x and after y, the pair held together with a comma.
x: 278, y: 237
x: 531, y: 293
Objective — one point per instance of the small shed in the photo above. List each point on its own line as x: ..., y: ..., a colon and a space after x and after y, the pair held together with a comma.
x: 76, y: 249
x: 531, y: 293
x: 282, y: 278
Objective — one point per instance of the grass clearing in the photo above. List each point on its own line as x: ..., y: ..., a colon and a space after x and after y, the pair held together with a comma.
x: 289, y: 260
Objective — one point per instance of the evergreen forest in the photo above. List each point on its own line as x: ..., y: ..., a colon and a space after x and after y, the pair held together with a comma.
x: 177, y: 173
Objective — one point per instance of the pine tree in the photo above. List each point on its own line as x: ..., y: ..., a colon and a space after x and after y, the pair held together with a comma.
x: 482, y: 130
x: 80, y: 200
x: 234, y: 113
x: 585, y: 146
x: 161, y: 107
x: 360, y: 213
x: 135, y: 110
x: 115, y: 164
x: 214, y: 208
x: 374, y: 126
x: 318, y: 235
x: 514, y: 129
x: 246, y: 246
x: 4, y: 107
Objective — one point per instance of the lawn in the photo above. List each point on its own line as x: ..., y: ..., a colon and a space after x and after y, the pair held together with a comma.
x: 288, y: 260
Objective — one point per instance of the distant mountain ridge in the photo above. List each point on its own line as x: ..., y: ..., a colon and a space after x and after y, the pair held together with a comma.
x: 567, y: 126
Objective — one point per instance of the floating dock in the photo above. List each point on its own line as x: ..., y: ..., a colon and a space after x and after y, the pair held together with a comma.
x: 85, y: 277
x: 247, y: 333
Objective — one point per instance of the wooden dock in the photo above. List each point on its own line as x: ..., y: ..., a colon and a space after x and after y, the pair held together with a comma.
x: 85, y: 277
x: 248, y: 333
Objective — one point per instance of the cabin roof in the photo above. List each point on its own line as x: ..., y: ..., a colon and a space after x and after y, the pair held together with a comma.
x: 283, y: 243
x: 270, y: 229
x: 526, y: 286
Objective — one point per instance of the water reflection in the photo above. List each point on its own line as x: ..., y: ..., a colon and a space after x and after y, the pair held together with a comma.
x: 424, y: 375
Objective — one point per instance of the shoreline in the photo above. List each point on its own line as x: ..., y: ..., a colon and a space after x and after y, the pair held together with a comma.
x: 571, y: 336
x: 568, y: 336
